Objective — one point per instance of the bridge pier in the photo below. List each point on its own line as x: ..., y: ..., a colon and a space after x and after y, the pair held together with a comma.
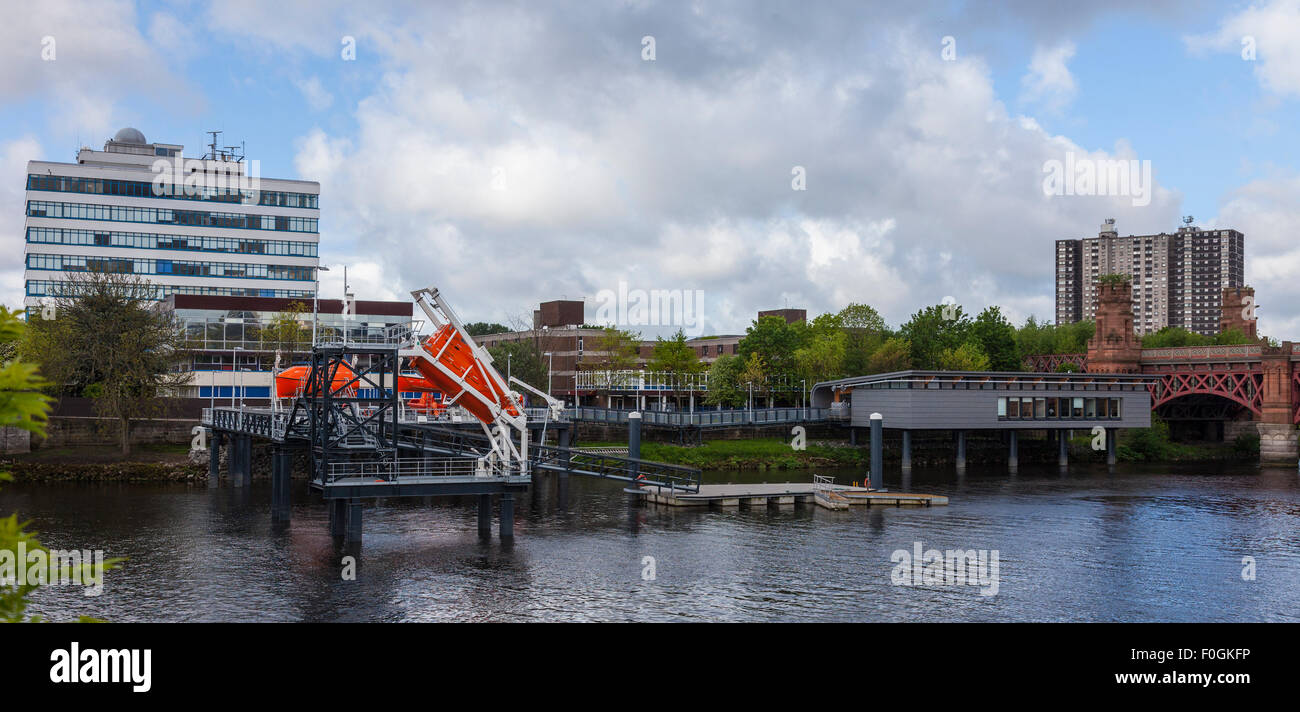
x: 281, y: 469
x: 507, y: 515
x: 1112, y: 434
x: 877, y: 445
x: 352, y: 534
x: 485, y: 515
x: 961, y: 450
x: 907, y: 451
x: 338, y: 516
x: 232, y: 460
x: 214, y: 459
x: 1013, y: 452
x: 1062, y: 449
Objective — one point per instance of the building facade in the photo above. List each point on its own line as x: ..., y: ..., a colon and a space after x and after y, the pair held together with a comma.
x: 1178, y: 279
x: 188, y: 227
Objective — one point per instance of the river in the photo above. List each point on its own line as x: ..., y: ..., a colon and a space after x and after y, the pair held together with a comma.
x: 1146, y: 543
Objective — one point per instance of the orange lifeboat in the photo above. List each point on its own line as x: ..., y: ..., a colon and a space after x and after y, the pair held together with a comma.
x: 292, y: 381
x: 449, y: 348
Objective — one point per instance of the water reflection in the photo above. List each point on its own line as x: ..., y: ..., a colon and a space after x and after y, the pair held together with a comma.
x: 1093, y: 544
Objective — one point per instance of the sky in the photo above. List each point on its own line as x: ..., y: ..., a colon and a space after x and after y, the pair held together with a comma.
x: 753, y: 155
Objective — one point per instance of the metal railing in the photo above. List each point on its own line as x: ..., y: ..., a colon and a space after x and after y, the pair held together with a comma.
x: 404, y: 468
x: 703, y: 418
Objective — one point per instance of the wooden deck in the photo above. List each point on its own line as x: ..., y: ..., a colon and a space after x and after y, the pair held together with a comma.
x: 773, y: 494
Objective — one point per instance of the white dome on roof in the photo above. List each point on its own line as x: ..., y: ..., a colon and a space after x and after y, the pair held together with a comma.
x: 129, y: 135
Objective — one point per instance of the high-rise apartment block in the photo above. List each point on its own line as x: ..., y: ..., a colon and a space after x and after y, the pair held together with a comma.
x: 1178, y: 279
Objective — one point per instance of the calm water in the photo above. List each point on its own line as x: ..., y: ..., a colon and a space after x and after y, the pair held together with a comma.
x: 1163, y: 545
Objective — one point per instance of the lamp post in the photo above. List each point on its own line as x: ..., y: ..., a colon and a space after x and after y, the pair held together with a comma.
x: 550, y: 368
x: 234, y: 366
x: 315, y: 306
x: 803, y: 396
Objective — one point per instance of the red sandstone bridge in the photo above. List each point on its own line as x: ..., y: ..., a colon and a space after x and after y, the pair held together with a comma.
x: 1238, y: 384
x: 1253, y: 377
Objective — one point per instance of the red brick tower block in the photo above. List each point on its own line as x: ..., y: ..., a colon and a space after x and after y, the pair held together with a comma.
x: 1114, y: 348
x: 1239, y: 310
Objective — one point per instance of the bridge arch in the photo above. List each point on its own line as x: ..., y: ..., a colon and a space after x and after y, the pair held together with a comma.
x: 1244, y: 388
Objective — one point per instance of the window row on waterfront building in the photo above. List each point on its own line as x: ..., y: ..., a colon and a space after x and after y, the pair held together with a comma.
x: 167, y: 216
x: 58, y: 288
x: 155, y: 241
x: 1039, y: 408
x: 181, y: 268
x: 148, y: 189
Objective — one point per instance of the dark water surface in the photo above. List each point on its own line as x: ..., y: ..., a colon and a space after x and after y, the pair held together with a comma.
x: 1163, y: 544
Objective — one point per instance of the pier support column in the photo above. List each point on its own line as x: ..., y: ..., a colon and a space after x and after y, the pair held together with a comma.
x: 232, y: 459
x: 1111, y: 434
x: 353, y: 533
x: 634, y: 444
x: 877, y: 447
x: 853, y: 436
x: 281, y: 467
x: 1013, y: 452
x: 214, y: 459
x: 338, y: 516
x: 907, y: 451
x: 246, y: 465
x: 1062, y: 450
x: 485, y: 515
x: 507, y: 515
x: 961, y: 450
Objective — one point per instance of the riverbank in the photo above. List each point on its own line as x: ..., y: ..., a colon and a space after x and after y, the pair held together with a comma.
x: 778, y: 454
x: 146, y: 463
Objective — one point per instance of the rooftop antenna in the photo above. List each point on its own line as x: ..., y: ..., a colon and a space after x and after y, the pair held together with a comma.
x: 226, y: 153
x: 1187, y: 220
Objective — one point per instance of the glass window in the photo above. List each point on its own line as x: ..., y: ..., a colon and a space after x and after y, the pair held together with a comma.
x: 1002, y: 407
x: 1077, y: 411
x: 1090, y: 408
x: 1040, y: 408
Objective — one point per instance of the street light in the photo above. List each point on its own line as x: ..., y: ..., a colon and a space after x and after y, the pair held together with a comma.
x: 234, y: 366
x: 803, y: 396
x: 550, y: 366
x: 315, y: 310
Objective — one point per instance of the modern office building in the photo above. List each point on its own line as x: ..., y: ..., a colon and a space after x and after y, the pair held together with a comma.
x: 207, y: 226
x: 1178, y: 278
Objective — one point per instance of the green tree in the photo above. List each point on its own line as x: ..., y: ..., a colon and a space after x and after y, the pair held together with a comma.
x: 822, y: 358
x: 1232, y: 337
x: 523, y: 360
x: 754, y: 377
x: 775, y: 342
x: 934, y: 330
x: 893, y: 355
x: 724, y: 382
x: 483, y: 328
x: 286, y: 332
x: 108, y: 341
x: 1172, y: 336
x: 614, y: 350
x: 674, y: 359
x: 967, y: 357
x: 996, y: 337
x: 864, y: 332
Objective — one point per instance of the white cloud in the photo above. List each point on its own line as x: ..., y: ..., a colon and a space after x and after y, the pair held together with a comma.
x: 1049, y: 82
x: 1268, y: 212
x: 318, y: 98
x: 1271, y: 29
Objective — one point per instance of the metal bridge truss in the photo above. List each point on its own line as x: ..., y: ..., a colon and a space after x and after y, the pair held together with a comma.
x: 338, y: 425
x: 1243, y: 385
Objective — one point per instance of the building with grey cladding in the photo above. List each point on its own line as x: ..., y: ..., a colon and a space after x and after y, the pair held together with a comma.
x: 990, y: 400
